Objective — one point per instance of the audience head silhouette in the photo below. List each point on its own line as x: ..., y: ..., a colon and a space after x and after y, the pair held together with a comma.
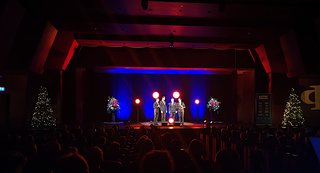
x: 72, y: 163
x: 157, y: 161
x: 227, y: 161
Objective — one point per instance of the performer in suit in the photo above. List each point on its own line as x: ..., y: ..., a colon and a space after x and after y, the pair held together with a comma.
x: 156, y: 109
x: 163, y: 109
x: 172, y: 109
x: 181, y: 106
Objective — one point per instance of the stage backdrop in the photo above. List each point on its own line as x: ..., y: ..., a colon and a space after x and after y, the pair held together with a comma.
x: 127, y: 87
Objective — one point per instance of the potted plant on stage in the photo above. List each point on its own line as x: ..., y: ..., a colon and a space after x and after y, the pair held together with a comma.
x: 213, y: 106
x: 112, y: 107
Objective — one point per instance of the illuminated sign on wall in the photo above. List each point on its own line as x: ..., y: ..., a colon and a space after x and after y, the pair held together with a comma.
x: 312, y: 97
x: 263, y: 108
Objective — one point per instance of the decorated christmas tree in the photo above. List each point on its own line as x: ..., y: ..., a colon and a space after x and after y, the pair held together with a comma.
x: 293, y: 115
x: 43, y: 113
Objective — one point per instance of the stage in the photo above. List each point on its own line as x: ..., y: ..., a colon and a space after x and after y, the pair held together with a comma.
x: 166, y: 125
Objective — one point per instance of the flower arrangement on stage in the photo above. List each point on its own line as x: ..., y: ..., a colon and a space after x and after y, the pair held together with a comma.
x: 213, y: 104
x: 113, y: 105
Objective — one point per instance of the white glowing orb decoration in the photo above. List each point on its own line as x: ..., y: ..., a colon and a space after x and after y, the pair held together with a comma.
x: 137, y: 101
x: 197, y: 101
x: 171, y: 120
x: 176, y: 94
x: 155, y: 95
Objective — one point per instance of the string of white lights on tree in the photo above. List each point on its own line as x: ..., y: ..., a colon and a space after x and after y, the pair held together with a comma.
x: 293, y: 115
x: 43, y: 113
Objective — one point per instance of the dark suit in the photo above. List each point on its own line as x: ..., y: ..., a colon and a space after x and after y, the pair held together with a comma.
x: 156, y: 110
x: 181, y: 106
x: 172, y: 110
x: 163, y: 109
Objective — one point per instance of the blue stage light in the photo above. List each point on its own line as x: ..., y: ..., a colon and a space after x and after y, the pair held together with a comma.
x: 161, y: 70
x: 128, y: 82
x: 124, y: 94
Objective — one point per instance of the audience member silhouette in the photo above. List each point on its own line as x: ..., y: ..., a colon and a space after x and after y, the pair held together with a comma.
x: 95, y: 159
x: 243, y: 148
x: 227, y: 161
x: 196, y: 151
x: 157, y: 161
x: 71, y: 163
x: 16, y: 162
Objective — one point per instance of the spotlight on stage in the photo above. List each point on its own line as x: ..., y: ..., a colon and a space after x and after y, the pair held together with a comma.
x: 137, y: 101
x: 171, y: 120
x: 155, y: 95
x: 176, y: 94
x: 197, y: 101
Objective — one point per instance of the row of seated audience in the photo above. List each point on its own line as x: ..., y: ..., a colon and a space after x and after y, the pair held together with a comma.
x: 99, y: 149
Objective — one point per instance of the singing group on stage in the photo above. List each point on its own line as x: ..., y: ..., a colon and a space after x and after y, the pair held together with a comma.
x: 160, y: 107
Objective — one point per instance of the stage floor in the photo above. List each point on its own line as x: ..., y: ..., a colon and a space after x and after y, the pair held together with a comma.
x: 186, y: 125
